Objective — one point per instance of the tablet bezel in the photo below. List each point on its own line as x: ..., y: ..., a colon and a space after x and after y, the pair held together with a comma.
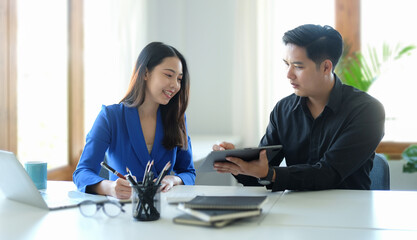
x: 246, y: 154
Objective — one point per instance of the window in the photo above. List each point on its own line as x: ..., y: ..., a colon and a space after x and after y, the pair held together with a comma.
x: 113, y: 37
x: 396, y: 86
x: 112, y: 40
x: 42, y: 77
x: 42, y: 92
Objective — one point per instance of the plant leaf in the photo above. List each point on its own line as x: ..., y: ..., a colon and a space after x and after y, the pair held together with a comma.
x: 360, y: 71
x: 405, y: 50
x: 409, y: 168
x: 410, y: 154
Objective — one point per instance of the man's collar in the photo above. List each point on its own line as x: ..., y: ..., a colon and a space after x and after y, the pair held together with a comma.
x: 335, y: 97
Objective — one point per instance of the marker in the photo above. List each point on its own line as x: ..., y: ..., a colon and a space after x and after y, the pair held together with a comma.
x: 103, y: 164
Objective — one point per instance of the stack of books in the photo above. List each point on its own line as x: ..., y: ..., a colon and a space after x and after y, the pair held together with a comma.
x: 219, y: 211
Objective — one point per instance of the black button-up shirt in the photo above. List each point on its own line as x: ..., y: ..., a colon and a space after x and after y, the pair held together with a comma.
x: 335, y: 150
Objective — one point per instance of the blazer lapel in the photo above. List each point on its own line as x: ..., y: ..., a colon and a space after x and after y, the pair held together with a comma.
x: 158, y: 150
x: 137, y: 140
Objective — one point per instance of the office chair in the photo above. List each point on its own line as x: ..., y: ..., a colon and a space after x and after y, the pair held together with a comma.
x: 380, y: 178
x: 103, y: 172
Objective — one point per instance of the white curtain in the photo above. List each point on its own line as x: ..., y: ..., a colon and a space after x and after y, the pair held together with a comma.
x: 255, y: 70
x: 260, y: 78
x: 115, y: 33
x: 245, y: 100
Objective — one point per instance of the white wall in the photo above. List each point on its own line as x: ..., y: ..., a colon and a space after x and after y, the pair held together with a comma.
x: 400, y: 180
x: 203, y: 31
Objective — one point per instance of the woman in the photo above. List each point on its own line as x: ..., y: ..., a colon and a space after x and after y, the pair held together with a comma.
x: 148, y: 124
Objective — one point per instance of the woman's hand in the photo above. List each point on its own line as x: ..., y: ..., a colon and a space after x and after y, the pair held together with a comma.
x: 119, y: 189
x: 169, y: 181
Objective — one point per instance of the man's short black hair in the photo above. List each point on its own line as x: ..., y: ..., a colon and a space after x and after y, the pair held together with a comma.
x: 320, y: 42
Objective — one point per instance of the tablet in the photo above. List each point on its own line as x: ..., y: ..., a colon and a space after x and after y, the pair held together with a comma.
x: 246, y: 154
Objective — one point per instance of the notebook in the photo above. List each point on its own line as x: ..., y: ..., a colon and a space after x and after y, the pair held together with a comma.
x: 226, y: 202
x: 18, y: 186
x: 190, y: 220
x: 214, y: 215
x: 246, y: 154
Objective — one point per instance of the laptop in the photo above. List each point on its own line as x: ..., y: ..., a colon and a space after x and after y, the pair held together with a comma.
x: 18, y: 186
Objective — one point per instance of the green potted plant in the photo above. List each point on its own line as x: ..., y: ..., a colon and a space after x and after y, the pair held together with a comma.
x: 360, y: 70
x: 410, y: 155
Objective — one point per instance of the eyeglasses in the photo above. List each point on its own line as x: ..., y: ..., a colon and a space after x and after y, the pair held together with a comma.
x: 89, y: 208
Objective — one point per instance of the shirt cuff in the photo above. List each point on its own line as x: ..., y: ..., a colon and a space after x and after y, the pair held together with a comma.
x: 281, y: 179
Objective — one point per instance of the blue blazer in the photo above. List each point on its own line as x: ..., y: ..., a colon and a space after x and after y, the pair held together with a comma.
x: 117, y: 131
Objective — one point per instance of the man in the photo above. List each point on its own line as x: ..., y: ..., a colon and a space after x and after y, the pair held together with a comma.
x: 329, y: 131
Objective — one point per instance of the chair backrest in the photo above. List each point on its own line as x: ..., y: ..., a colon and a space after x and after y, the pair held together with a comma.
x: 380, y: 178
x: 103, y: 172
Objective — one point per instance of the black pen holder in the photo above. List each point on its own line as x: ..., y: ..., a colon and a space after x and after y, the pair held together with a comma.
x: 146, y: 202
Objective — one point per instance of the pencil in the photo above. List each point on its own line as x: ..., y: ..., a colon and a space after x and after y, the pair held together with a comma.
x: 103, y: 164
x: 163, y: 173
x: 146, y: 170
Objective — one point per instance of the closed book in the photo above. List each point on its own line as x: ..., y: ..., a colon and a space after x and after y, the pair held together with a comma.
x: 212, y: 215
x: 226, y: 202
x: 190, y: 220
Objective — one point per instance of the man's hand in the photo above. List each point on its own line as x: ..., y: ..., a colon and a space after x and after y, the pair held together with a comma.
x: 223, y: 146
x: 255, y: 168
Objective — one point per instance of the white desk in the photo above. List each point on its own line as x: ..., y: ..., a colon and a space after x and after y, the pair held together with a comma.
x: 291, y: 215
x: 394, y: 210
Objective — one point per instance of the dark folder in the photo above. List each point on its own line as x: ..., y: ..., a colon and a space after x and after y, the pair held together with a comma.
x: 226, y: 202
x: 214, y: 215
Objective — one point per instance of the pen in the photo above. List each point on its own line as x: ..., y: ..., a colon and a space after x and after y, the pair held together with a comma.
x: 103, y: 164
x: 130, y: 178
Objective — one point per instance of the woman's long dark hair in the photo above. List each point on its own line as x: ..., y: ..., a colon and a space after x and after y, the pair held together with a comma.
x: 172, y: 113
